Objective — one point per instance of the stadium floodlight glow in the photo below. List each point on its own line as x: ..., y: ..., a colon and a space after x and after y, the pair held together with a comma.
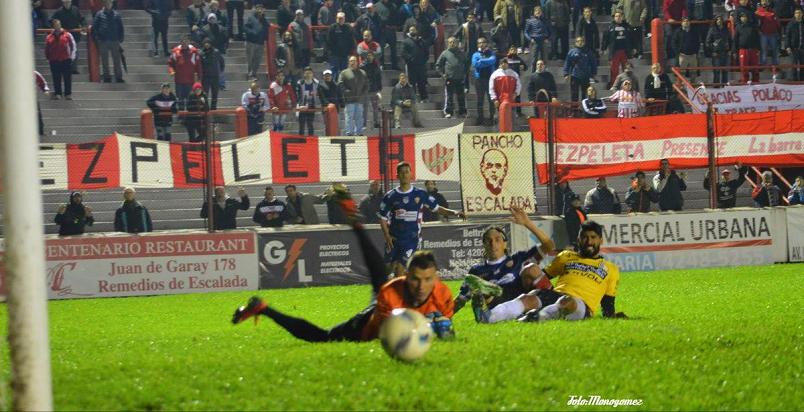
x: 24, y: 254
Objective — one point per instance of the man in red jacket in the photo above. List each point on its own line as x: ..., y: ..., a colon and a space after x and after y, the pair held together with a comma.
x: 60, y: 52
x: 184, y: 65
x: 769, y: 29
x: 504, y: 84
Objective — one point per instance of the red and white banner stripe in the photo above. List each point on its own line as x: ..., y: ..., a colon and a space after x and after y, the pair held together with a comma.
x: 588, y: 148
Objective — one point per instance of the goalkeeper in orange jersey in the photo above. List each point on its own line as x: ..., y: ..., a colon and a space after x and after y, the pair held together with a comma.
x: 585, y: 283
x: 420, y: 289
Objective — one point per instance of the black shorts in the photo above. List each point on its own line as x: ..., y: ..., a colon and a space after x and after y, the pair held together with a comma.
x: 550, y: 296
x: 352, y: 329
x: 511, y: 291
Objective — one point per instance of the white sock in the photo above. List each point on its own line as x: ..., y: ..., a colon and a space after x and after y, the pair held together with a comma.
x: 507, y: 311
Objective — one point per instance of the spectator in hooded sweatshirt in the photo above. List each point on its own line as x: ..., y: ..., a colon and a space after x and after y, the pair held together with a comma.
x: 132, y: 216
x: 746, y: 44
x: 282, y: 97
x: 73, y: 217
x: 184, y: 65
x: 504, y: 84
x: 374, y: 74
x: 163, y: 105
x: 224, y: 208
x: 212, y: 65
x: 197, y: 108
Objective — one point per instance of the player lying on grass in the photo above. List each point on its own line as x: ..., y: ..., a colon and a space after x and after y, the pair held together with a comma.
x: 507, y: 276
x: 420, y: 290
x: 585, y: 282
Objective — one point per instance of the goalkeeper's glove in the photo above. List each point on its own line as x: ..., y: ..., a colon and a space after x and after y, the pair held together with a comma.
x: 442, y: 325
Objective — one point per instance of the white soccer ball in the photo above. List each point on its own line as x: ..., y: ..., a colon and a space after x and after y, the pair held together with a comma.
x: 406, y: 335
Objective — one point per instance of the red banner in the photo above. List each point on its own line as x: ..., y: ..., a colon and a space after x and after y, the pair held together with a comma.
x: 265, y: 158
x: 587, y: 148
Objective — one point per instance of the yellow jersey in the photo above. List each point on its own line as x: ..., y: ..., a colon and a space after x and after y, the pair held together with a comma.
x: 585, y: 278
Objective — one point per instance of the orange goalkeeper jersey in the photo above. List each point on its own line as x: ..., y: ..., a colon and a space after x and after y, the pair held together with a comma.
x: 394, y: 295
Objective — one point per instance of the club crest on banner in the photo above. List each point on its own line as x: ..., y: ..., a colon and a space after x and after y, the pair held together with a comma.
x: 438, y: 158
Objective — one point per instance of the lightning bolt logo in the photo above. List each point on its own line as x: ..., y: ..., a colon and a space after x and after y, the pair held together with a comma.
x: 293, y: 256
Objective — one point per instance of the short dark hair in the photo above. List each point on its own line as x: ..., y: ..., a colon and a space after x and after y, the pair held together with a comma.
x: 401, y: 165
x: 269, y: 188
x: 290, y: 187
x: 593, y: 226
x: 308, y: 68
x: 639, y: 173
x: 422, y: 259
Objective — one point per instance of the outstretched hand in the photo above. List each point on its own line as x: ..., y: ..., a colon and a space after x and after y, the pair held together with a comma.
x: 519, y: 216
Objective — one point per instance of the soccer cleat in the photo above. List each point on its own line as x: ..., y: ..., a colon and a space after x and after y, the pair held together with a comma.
x: 529, y: 316
x: 479, y: 286
x: 253, y: 308
x: 480, y: 308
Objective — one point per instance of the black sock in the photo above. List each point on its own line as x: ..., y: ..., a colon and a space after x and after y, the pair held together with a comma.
x: 299, y: 328
x: 374, y: 261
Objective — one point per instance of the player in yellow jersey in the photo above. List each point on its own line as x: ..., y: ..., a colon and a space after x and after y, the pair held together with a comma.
x: 585, y: 282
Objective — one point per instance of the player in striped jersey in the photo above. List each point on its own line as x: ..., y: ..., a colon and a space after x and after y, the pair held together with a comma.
x: 401, y: 218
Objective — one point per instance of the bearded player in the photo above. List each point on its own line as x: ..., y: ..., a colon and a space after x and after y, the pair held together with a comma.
x: 585, y: 283
x: 502, y: 277
x: 401, y: 217
x: 420, y: 290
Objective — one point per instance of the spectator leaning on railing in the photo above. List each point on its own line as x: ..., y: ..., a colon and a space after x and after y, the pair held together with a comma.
x: 796, y: 194
x: 270, y: 212
x: 163, y: 106
x: 256, y: 104
x: 767, y: 194
x: 370, y: 204
x: 593, y: 108
x: 307, y: 93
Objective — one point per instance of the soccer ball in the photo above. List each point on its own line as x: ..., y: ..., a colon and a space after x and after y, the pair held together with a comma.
x: 406, y: 335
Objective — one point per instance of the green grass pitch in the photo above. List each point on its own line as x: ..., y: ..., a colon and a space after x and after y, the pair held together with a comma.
x: 714, y: 339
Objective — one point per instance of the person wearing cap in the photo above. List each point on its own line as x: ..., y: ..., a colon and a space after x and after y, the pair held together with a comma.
x: 602, y: 199
x: 504, y: 84
x: 184, y: 65
x: 220, y: 15
x: 640, y: 195
x: 329, y: 92
x: 212, y: 64
x: 215, y: 31
x: 340, y: 42
x: 197, y: 108
x: 303, y: 36
x: 132, y: 216
x: 727, y: 187
x: 163, y: 106
x: 256, y: 29
x: 574, y: 217
x: 73, y: 217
